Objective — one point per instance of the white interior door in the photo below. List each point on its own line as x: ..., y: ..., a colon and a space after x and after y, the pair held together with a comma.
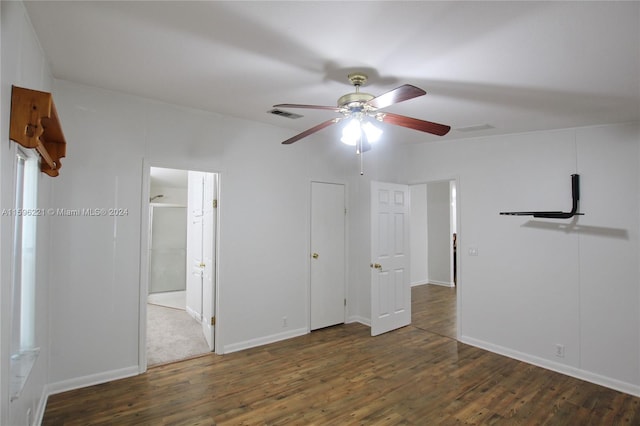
x: 327, y: 255
x: 390, y: 279
x: 194, y: 244
x: 208, y: 257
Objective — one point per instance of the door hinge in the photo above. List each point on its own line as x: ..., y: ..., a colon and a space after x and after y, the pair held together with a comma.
x: 213, y: 320
x: 345, y: 211
x: 215, y: 204
x: 345, y: 302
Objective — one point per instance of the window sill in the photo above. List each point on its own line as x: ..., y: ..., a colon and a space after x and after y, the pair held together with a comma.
x: 21, y: 365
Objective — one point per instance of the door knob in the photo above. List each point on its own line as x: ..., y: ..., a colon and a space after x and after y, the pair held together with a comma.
x: 376, y: 265
x: 202, y: 265
x: 315, y: 255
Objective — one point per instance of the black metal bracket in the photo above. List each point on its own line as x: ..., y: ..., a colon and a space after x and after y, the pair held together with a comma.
x: 575, y: 196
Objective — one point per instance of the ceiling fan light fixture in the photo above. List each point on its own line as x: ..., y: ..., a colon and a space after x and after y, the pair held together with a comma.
x: 360, y: 109
x: 352, y: 132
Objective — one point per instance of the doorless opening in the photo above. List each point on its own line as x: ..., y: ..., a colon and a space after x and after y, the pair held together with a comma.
x: 435, y: 236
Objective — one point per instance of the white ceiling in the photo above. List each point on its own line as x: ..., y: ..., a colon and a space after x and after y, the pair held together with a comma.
x: 516, y: 66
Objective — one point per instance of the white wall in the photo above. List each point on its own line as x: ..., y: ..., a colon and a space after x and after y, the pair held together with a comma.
x: 439, y: 228
x: 537, y: 283
x: 23, y: 65
x: 264, y: 220
x: 419, y: 235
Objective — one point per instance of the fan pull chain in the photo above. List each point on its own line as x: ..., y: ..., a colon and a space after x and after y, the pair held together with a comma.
x: 360, y: 154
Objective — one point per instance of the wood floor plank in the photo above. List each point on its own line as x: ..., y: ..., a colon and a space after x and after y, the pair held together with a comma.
x: 417, y: 375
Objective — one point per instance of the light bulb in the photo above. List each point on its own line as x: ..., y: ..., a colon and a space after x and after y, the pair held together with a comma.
x: 351, y: 132
x: 372, y: 132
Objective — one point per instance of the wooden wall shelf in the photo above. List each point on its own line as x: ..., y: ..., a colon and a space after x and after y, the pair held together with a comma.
x: 35, y: 125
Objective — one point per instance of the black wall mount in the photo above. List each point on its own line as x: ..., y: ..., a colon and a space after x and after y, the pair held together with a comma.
x: 575, y: 196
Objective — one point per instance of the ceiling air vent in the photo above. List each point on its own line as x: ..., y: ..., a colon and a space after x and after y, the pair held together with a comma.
x: 284, y: 114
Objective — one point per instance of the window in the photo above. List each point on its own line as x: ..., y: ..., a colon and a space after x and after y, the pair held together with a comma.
x: 25, y: 213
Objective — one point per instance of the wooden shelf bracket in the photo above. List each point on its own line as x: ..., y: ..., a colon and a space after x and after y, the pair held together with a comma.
x: 35, y: 125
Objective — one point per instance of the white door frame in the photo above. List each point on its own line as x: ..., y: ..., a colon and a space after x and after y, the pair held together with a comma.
x: 144, y: 259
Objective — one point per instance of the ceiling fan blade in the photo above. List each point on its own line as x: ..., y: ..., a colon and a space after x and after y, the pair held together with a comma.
x: 311, y: 130
x: 414, y: 123
x: 330, y: 108
x: 399, y: 94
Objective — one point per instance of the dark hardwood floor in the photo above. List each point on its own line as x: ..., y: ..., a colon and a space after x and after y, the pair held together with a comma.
x: 433, y: 308
x: 417, y: 375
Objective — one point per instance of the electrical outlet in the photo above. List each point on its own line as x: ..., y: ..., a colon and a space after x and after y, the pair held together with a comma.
x: 473, y: 251
x: 284, y: 322
x: 560, y: 350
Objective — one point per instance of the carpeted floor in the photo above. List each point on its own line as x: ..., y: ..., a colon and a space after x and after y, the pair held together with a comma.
x: 172, y: 335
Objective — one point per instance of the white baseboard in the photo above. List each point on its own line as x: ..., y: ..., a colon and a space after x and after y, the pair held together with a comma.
x: 361, y: 320
x: 568, y: 370
x: 442, y: 283
x: 195, y: 315
x: 252, y: 343
x: 92, y: 379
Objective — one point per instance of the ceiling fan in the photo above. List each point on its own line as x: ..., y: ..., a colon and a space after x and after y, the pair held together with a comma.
x: 362, y: 110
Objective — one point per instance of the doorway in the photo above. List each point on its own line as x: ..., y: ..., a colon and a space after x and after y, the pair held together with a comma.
x: 434, y: 256
x: 178, y: 264
x: 434, y: 233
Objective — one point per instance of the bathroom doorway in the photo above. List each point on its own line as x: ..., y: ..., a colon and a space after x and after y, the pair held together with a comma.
x: 180, y: 265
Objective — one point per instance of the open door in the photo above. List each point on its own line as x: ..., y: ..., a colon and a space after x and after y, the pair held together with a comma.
x: 194, y: 245
x: 390, y: 279
x: 210, y: 200
x: 201, y: 251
